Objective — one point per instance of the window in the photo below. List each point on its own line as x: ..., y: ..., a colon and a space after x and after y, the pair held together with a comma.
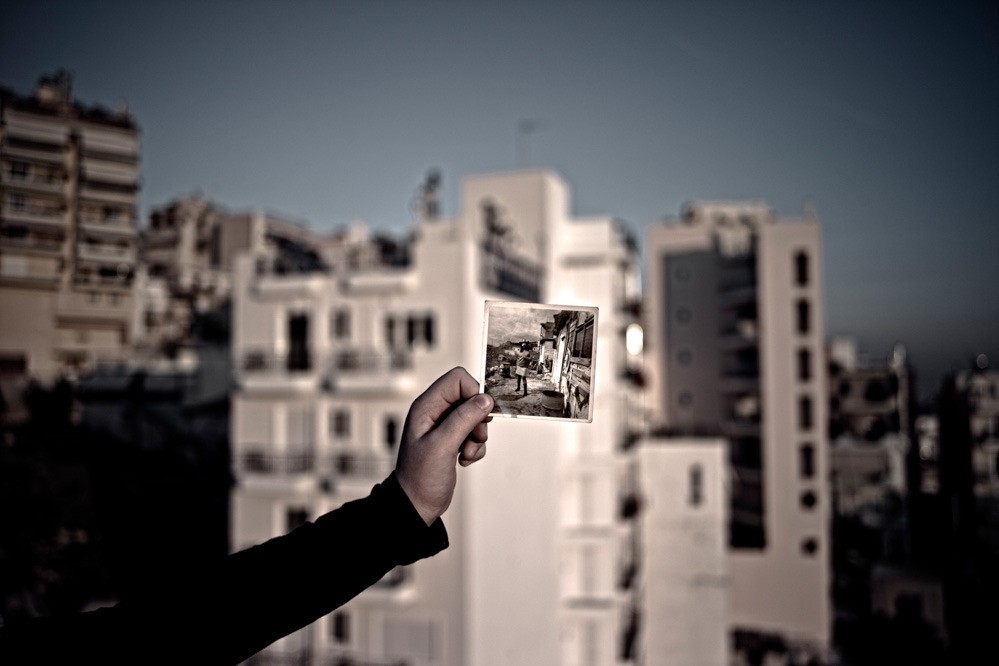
x: 810, y: 546
x: 684, y: 357
x: 340, y: 627
x: 93, y: 297
x: 806, y: 461
x: 808, y: 500
x: 391, y: 432
x: 801, y: 269
x: 19, y: 170
x: 428, y: 330
x: 16, y: 201
x: 582, y: 343
x: 390, y: 331
x: 410, y: 330
x: 340, y: 423
x: 804, y: 365
x: 685, y: 399
x: 805, y: 413
x: 696, y: 495
x: 804, y: 316
x: 296, y: 516
x: 683, y: 315
x: 341, y: 324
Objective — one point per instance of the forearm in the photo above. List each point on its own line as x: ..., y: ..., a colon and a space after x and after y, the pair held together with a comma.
x: 250, y: 599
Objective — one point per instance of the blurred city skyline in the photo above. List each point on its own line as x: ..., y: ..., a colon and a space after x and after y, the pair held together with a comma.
x: 884, y: 117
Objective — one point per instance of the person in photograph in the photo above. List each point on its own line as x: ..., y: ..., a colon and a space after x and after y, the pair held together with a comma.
x: 523, y: 360
x: 231, y: 608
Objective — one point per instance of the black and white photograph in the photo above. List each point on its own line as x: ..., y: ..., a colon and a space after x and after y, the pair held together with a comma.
x: 538, y: 360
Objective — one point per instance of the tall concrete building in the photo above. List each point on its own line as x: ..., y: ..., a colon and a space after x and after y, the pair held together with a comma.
x: 542, y: 533
x: 69, y: 174
x: 734, y: 348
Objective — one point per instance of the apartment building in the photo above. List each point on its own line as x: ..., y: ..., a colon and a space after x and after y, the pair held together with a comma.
x: 734, y: 348
x: 327, y: 363
x: 69, y: 175
x: 188, y: 252
x: 870, y: 427
x: 682, y: 541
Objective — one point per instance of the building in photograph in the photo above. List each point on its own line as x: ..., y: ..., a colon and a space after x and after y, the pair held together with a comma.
x: 734, y: 348
x: 69, y: 174
x: 327, y: 363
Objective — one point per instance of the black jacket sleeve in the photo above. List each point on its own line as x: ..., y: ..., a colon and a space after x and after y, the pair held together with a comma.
x: 232, y: 609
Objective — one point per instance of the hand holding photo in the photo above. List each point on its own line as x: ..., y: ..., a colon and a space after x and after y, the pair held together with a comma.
x: 538, y: 360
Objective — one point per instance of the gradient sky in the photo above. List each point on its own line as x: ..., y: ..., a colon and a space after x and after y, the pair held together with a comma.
x: 884, y: 115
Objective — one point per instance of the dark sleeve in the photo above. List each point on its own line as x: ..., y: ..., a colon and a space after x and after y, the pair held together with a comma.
x: 235, y: 608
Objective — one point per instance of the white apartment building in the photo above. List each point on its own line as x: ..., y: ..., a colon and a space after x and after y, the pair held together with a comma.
x: 734, y: 348
x: 542, y: 560
x: 68, y: 181
x: 682, y: 528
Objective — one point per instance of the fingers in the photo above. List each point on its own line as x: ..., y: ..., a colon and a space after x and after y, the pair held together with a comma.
x: 451, y: 388
x: 464, y: 423
x: 471, y: 453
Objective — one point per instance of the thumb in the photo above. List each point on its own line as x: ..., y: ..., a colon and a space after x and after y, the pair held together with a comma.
x: 458, y: 425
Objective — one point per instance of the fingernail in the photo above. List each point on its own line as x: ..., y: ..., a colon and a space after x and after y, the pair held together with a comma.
x: 483, y: 402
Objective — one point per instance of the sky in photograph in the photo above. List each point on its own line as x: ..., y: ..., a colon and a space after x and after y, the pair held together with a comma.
x: 883, y: 115
x: 516, y: 324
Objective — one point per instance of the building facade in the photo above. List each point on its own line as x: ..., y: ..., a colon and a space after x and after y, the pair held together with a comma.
x: 69, y: 175
x: 734, y: 348
x: 327, y: 364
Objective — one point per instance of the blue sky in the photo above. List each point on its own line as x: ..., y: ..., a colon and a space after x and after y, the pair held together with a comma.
x: 885, y: 115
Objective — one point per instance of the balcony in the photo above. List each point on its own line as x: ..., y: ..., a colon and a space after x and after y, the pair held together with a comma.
x: 40, y: 185
x: 54, y: 156
x: 120, y: 227
x: 115, y: 307
x: 364, y: 467
x: 101, y: 194
x: 289, y: 285
x: 256, y: 460
x: 35, y: 217
x: 264, y: 370
x: 32, y: 244
x: 380, y: 282
x: 373, y: 372
x: 105, y: 253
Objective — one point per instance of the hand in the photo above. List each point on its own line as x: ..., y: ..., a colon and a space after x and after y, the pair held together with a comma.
x: 446, y: 422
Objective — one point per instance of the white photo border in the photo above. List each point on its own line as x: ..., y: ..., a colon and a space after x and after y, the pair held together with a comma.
x: 491, y: 305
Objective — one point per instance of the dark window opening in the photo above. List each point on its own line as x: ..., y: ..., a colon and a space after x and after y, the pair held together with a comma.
x: 806, y: 461
x: 410, y: 331
x: 296, y: 516
x: 804, y: 317
x: 341, y: 324
x: 804, y: 365
x: 390, y: 331
x: 805, y: 416
x: 810, y: 546
x: 298, y: 342
x: 341, y: 423
x: 391, y: 432
x: 696, y: 486
x: 809, y: 500
x: 341, y: 627
x: 428, y: 330
x: 801, y: 269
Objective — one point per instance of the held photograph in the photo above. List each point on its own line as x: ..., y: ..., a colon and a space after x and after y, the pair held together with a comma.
x: 538, y: 360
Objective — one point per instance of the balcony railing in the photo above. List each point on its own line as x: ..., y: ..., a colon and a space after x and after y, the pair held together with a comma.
x: 261, y: 361
x: 257, y: 461
x: 32, y: 243
x: 372, y: 371
x: 361, y: 466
